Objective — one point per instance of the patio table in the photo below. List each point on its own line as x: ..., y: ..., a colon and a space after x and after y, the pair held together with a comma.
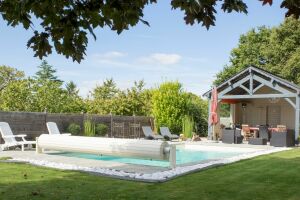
x: 256, y: 129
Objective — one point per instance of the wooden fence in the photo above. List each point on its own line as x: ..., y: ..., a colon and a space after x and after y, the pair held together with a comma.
x: 34, y: 123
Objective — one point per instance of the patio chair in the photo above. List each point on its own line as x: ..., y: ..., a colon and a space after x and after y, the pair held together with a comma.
x: 264, y: 132
x: 118, y: 130
x: 232, y: 136
x: 246, y: 131
x: 10, y: 139
x: 167, y: 134
x: 149, y: 133
x: 53, y: 129
x: 283, y: 139
x: 238, y: 136
x: 281, y: 128
x: 263, y: 136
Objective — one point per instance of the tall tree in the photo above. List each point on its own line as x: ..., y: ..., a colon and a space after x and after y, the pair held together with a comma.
x: 197, y: 109
x: 17, y: 96
x: 103, y: 98
x: 274, y: 49
x: 105, y: 91
x: 169, y: 105
x: 9, y: 74
x: 67, y: 23
x: 134, y: 101
x: 46, y: 73
x: 74, y: 103
x: 72, y: 89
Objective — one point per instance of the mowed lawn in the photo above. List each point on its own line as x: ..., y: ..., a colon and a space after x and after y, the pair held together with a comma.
x: 275, y: 176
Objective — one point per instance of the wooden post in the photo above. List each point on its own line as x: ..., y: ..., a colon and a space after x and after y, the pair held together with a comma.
x: 297, y: 117
x: 251, y: 82
x: 232, y: 113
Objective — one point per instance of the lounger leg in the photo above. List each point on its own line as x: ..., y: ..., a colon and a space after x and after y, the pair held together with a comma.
x: 172, y: 156
x: 22, y: 146
x: 37, y: 148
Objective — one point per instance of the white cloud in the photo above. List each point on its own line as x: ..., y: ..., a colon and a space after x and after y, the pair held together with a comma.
x: 110, y: 58
x: 160, y: 59
x: 110, y: 55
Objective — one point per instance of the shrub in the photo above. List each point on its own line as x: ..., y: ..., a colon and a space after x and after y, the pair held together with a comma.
x: 74, y: 129
x: 101, y: 129
x: 89, y: 128
x: 169, y: 105
x: 187, y: 126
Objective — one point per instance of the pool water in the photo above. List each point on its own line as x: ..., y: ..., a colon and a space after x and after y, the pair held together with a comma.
x: 183, y: 156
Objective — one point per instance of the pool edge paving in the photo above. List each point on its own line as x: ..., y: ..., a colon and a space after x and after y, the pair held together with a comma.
x: 122, y: 170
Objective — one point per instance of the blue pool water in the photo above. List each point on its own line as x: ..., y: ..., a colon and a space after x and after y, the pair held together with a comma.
x: 183, y: 156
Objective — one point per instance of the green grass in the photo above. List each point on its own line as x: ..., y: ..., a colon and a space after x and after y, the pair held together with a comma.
x: 275, y: 176
x: 5, y: 158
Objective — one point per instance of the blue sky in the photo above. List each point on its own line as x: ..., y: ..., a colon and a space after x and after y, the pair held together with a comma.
x: 168, y: 50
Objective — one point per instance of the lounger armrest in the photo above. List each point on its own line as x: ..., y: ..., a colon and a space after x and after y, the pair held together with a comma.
x: 14, y: 136
x: 66, y: 134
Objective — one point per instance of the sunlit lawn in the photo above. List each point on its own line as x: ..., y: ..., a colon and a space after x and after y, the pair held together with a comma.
x: 275, y: 176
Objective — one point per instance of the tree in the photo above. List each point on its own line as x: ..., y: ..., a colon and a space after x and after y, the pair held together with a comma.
x: 74, y: 103
x: 72, y: 89
x: 49, y: 97
x: 169, y: 105
x: 9, y: 74
x: 107, y: 98
x: 105, y: 91
x: 67, y: 23
x: 134, y: 101
x: 46, y: 73
x: 197, y: 108
x: 17, y: 96
x: 102, y: 98
x: 274, y: 49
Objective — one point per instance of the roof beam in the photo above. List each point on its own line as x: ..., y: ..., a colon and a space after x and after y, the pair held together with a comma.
x: 271, y: 85
x: 258, y: 87
x: 232, y: 86
x: 251, y: 81
x: 278, y: 79
x: 291, y: 102
x: 228, y: 81
x: 258, y: 96
x: 244, y: 88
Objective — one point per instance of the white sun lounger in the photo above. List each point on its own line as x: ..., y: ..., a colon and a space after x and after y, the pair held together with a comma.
x: 10, y: 139
x: 167, y: 134
x: 53, y: 129
x: 149, y: 133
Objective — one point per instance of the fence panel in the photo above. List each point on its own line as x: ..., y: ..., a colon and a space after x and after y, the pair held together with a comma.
x: 34, y: 123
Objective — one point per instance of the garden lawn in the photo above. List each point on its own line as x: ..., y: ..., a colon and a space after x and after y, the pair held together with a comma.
x: 275, y: 176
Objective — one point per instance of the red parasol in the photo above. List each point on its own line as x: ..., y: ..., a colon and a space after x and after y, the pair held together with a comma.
x: 214, y: 106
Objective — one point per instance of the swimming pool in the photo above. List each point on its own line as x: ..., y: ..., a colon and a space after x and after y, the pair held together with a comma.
x: 184, y: 155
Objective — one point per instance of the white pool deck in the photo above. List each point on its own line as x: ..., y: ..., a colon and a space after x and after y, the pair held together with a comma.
x: 141, y: 172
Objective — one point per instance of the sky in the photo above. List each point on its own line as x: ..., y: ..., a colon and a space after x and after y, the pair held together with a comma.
x: 168, y: 50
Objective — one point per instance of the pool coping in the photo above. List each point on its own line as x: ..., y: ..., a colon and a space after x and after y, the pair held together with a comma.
x: 164, y: 175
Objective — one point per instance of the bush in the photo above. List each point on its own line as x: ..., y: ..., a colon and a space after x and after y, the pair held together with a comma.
x: 101, y: 129
x: 187, y: 126
x: 74, y: 129
x: 169, y: 106
x: 89, y: 128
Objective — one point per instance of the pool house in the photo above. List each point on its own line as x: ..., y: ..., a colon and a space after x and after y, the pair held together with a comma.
x: 258, y: 97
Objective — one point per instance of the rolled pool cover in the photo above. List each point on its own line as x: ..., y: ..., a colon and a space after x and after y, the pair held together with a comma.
x: 158, y: 150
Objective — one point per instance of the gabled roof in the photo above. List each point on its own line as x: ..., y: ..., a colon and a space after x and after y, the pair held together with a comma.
x: 259, y: 73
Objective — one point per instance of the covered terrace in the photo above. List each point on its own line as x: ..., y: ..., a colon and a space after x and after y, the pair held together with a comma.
x: 257, y: 97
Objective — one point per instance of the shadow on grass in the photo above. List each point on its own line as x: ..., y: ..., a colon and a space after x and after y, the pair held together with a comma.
x: 273, y: 176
